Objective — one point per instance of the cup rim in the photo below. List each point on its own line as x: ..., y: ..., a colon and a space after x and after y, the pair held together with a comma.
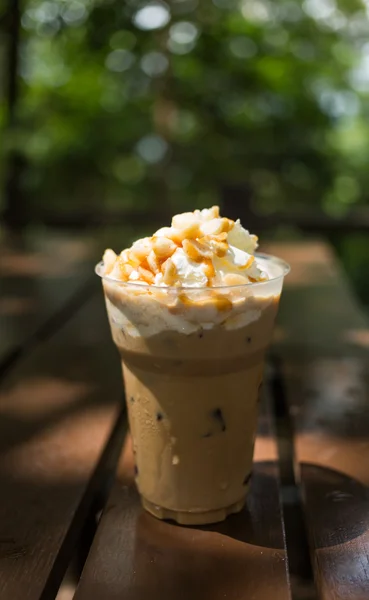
x: 282, y: 264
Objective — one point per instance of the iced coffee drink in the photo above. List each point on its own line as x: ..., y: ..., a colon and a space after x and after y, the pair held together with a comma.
x: 191, y: 311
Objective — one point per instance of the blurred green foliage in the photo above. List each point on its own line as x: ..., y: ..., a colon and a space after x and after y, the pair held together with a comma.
x: 126, y: 104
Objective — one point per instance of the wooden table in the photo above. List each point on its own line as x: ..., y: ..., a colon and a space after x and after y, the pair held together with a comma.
x: 65, y: 456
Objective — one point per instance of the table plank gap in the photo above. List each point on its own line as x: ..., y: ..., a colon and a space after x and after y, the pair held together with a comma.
x: 48, y: 327
x: 328, y: 397
x: 136, y: 556
x: 40, y: 272
x: 92, y: 503
x: 300, y: 568
x: 58, y: 409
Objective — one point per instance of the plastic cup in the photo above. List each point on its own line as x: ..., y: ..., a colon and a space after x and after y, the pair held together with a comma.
x: 192, y: 362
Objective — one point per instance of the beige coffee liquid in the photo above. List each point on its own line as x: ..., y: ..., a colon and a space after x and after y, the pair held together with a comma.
x: 192, y: 404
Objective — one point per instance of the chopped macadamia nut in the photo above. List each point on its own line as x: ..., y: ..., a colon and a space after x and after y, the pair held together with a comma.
x: 200, y: 249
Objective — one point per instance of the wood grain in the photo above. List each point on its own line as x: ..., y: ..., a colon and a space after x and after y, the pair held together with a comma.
x: 327, y: 391
x: 319, y: 314
x: 39, y: 273
x: 58, y: 409
x: 135, y: 556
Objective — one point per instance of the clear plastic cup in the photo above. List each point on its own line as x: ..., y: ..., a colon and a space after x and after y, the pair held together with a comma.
x: 192, y: 362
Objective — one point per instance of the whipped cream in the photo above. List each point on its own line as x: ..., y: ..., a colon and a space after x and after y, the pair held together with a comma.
x: 190, y: 277
x: 200, y: 249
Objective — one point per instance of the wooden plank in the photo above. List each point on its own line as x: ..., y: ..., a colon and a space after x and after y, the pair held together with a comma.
x: 136, y: 556
x: 327, y: 392
x: 319, y: 314
x: 39, y: 273
x: 329, y: 403
x: 58, y: 409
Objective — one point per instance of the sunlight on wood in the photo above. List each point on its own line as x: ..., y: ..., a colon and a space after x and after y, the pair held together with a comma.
x: 329, y: 451
x: 58, y: 258
x: 14, y: 306
x: 18, y: 265
x: 359, y: 337
x: 63, y: 452
x: 66, y: 592
x: 265, y: 449
x: 125, y: 470
x: 42, y: 396
x: 312, y: 263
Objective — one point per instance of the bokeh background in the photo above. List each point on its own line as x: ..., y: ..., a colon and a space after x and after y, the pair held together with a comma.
x: 125, y: 112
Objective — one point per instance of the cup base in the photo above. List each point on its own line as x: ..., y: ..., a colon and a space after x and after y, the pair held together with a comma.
x: 193, y: 518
